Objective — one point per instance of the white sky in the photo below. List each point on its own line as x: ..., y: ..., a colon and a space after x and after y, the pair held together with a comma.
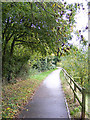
x: 81, y: 19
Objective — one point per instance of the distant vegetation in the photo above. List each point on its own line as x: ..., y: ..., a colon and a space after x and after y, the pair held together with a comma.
x: 76, y: 64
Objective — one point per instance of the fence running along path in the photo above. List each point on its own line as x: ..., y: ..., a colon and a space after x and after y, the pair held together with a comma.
x: 70, y: 80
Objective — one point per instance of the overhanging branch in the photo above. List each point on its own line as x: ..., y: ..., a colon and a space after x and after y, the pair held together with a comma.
x: 22, y: 41
x: 45, y: 9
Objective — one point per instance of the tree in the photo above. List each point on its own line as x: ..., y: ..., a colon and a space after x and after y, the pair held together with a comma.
x: 38, y: 27
x: 76, y: 64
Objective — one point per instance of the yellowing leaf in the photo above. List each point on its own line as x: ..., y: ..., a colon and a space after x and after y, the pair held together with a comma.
x: 53, y: 5
x: 71, y: 27
x: 59, y: 6
x: 8, y: 108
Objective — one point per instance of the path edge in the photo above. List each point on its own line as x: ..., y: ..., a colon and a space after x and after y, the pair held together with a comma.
x: 68, y: 111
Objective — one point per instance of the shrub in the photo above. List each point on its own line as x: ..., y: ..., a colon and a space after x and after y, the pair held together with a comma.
x: 76, y: 64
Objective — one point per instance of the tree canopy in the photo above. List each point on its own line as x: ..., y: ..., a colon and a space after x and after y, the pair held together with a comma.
x: 41, y: 26
x: 29, y: 27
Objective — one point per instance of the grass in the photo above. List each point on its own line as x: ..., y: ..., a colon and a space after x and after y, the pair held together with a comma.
x: 74, y: 108
x: 42, y: 75
x: 16, y: 96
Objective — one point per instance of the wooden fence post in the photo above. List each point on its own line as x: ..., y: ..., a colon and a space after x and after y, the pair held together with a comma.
x: 82, y: 90
x: 83, y: 104
x: 70, y: 80
x: 74, y: 93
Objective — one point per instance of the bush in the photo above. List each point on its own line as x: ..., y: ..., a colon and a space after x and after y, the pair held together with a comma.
x: 76, y: 64
x: 44, y: 64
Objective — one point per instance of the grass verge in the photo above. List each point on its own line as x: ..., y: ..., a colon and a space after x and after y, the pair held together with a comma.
x: 16, y: 96
x: 74, y: 108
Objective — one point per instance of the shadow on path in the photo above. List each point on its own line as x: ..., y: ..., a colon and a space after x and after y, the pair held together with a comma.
x: 48, y: 101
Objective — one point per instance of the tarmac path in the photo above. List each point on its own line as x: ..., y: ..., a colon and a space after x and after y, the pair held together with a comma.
x: 48, y: 101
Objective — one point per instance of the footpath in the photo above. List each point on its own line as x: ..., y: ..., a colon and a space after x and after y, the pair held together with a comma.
x: 48, y: 101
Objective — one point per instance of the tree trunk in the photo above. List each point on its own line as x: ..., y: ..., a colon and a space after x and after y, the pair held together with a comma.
x: 10, y: 60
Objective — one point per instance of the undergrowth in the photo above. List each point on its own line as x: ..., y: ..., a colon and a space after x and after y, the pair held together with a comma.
x: 74, y: 108
x: 15, y: 96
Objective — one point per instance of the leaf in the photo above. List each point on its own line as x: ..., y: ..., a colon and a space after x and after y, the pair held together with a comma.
x: 53, y: 5
x: 8, y: 108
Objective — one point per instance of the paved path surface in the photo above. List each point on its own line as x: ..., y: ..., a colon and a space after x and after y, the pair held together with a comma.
x: 48, y: 101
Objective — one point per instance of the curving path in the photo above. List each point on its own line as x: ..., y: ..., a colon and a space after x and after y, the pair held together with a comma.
x: 48, y: 101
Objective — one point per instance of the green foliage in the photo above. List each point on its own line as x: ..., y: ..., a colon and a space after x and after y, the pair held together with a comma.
x: 26, y: 72
x: 42, y: 75
x: 16, y: 96
x: 33, y: 27
x: 43, y: 64
x: 76, y: 64
x: 74, y: 108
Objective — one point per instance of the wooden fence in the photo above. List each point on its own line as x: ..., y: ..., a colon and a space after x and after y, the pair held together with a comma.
x: 70, y: 80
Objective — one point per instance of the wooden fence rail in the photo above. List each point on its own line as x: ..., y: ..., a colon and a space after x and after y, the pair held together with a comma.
x: 76, y: 86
